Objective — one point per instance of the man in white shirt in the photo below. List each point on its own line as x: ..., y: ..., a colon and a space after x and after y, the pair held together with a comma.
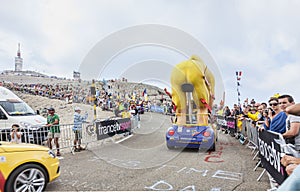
x: 292, y: 134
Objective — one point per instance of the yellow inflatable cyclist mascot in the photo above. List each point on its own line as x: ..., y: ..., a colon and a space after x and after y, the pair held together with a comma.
x: 195, y: 72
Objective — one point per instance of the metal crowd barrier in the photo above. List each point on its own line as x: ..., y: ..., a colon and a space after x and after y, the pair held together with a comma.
x: 244, y: 128
x: 28, y: 135
x: 227, y: 124
x: 66, y: 141
x: 252, y: 135
x: 157, y: 109
x: 248, y: 134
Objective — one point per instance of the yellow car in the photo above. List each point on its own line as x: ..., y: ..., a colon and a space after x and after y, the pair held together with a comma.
x: 26, y: 167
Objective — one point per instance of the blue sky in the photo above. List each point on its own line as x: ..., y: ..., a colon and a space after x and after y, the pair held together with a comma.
x: 258, y: 37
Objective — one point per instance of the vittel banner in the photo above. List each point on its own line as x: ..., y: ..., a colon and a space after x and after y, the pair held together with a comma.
x: 109, y: 128
x: 231, y: 123
x: 226, y: 123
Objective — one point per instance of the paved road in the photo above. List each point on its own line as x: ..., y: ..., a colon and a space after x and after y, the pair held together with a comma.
x: 143, y: 162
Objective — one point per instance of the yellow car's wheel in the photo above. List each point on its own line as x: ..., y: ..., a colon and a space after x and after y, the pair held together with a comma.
x: 28, y: 177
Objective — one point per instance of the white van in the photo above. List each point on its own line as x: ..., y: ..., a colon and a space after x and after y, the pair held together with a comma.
x: 14, y: 110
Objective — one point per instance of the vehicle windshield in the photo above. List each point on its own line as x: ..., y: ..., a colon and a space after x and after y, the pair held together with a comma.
x: 16, y: 108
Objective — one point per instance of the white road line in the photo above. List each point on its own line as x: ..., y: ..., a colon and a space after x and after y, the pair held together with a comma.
x: 124, y: 139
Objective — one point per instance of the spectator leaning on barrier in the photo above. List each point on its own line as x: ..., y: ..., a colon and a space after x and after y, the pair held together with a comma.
x: 236, y: 110
x: 77, y: 129
x: 295, y: 110
x: 261, y: 109
x: 266, y: 119
x: 292, y: 183
x: 292, y: 134
x: 54, y: 131
x: 246, y: 109
x: 15, y: 134
x: 227, y: 111
x: 277, y: 117
x: 254, y: 115
x: 220, y: 110
x: 264, y: 105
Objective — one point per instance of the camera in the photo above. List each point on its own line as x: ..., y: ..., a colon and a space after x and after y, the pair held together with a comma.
x: 273, y: 112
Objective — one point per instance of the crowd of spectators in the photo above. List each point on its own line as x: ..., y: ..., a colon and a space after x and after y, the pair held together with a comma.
x: 279, y: 114
x: 111, y: 95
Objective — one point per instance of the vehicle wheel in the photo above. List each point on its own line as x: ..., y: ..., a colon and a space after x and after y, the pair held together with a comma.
x: 170, y: 147
x: 28, y: 177
x: 213, y: 147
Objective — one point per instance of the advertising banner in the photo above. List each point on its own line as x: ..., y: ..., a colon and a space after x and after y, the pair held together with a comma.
x: 270, y: 155
x: 221, y: 122
x: 109, y: 128
x: 231, y: 124
x: 157, y: 109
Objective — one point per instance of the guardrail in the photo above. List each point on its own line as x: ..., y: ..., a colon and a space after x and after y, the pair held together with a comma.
x: 270, y: 146
x: 91, y: 132
x: 157, y: 109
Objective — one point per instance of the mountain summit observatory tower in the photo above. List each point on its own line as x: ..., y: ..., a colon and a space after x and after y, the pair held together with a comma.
x: 18, y: 60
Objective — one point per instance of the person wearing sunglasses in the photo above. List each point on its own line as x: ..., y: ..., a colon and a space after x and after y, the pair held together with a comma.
x: 277, y: 117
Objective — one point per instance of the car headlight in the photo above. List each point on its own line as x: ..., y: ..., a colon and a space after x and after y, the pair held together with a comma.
x: 51, y: 153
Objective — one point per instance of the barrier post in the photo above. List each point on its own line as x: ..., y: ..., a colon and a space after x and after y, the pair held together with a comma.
x: 93, y: 94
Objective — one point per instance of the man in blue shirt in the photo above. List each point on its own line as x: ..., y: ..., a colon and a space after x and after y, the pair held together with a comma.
x: 78, y: 120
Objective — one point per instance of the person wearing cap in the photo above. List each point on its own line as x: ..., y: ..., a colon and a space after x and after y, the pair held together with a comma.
x: 54, y: 131
x: 253, y: 114
x: 78, y: 120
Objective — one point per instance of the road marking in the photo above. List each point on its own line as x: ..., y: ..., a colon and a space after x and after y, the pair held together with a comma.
x: 161, y: 182
x: 125, y: 138
x: 228, y: 175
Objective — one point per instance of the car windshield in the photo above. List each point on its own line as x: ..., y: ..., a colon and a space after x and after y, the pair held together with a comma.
x: 16, y: 108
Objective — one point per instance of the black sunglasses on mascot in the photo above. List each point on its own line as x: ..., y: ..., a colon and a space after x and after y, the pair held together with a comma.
x: 273, y: 104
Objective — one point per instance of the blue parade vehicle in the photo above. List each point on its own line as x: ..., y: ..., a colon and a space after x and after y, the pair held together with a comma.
x: 191, y: 129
